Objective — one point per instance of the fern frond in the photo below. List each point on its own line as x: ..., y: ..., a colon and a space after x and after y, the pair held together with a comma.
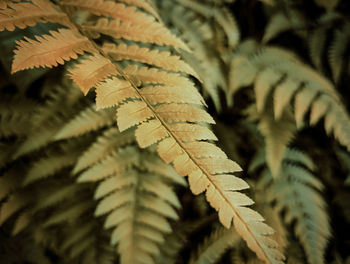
x: 153, y: 57
x: 278, y: 134
x: 313, y: 231
x: 24, y: 14
x: 49, y: 50
x: 210, y: 174
x: 138, y: 204
x: 309, y: 90
x: 214, y: 246
x: 297, y: 191
x: 204, y: 174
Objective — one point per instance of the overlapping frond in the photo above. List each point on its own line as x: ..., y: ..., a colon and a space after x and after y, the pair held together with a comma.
x: 206, y: 173
x: 297, y: 191
x: 289, y: 80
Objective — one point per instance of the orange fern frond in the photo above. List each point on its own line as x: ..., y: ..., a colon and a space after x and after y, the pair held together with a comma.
x: 25, y: 14
x: 211, y: 173
x: 153, y: 57
x: 49, y: 50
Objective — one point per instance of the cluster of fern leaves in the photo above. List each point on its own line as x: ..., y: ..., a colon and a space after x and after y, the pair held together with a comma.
x: 112, y: 115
